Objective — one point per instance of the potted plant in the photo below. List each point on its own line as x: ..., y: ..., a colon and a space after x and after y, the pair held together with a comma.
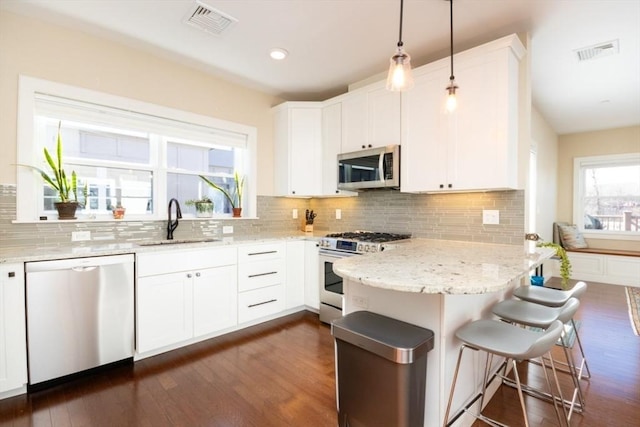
x: 565, y: 263
x: 67, y: 187
x: 235, y: 197
x: 204, y: 207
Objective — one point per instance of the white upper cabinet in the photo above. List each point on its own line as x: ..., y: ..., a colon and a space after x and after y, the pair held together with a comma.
x: 370, y: 118
x: 475, y: 147
x: 298, y: 149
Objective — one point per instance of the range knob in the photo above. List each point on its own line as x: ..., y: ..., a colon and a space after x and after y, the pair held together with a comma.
x: 373, y: 248
x: 360, y: 247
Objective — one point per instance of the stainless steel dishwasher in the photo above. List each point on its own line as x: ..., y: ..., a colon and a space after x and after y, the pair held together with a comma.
x: 80, y: 314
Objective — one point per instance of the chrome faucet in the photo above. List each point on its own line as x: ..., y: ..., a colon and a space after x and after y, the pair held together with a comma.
x: 172, y: 225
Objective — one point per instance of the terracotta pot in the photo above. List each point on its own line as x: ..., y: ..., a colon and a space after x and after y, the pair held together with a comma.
x: 66, y: 210
x: 118, y: 213
x: 237, y: 212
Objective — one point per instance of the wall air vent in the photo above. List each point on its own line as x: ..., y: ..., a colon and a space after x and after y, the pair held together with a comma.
x: 599, y: 50
x: 208, y: 19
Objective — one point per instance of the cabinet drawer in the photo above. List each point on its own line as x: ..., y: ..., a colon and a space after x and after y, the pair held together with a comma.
x: 260, y: 302
x: 251, y: 253
x: 170, y: 261
x: 260, y: 274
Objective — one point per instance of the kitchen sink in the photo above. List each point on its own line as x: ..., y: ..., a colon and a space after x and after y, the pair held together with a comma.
x: 175, y: 242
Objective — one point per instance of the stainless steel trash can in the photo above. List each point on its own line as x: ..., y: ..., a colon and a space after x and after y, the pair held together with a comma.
x: 381, y: 370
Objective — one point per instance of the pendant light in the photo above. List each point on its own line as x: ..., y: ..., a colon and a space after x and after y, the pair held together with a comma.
x: 400, y: 78
x: 452, y: 102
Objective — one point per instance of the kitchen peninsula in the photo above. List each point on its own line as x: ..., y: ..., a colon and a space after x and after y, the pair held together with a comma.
x: 439, y: 285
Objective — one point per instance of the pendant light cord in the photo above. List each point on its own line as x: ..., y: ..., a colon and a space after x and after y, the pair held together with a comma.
x: 400, y: 44
x: 450, y: 35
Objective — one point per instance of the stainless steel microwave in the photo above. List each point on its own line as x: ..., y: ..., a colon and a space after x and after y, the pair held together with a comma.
x: 371, y: 168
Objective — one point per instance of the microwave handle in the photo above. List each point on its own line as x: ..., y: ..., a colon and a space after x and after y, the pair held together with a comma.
x: 381, y: 167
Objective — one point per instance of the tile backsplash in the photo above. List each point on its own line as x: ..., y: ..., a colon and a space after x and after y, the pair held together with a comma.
x: 438, y: 216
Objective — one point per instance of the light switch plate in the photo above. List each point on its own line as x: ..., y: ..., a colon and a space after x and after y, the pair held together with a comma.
x: 294, y: 214
x: 227, y: 229
x: 490, y: 216
x: 338, y: 213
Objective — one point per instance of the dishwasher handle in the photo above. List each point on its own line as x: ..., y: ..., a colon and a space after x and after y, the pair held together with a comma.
x: 77, y: 264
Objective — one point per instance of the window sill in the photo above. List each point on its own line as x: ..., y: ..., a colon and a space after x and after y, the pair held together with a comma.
x: 102, y: 220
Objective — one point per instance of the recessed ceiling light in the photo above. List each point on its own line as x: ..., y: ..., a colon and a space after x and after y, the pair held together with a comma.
x: 278, y: 53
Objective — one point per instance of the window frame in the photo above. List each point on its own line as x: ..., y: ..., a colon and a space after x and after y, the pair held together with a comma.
x: 579, y: 189
x: 30, y: 153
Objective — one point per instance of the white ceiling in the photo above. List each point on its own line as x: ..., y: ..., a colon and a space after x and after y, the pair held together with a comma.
x: 334, y: 43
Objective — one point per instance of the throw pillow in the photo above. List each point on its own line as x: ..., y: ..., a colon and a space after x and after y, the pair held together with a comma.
x: 571, y: 238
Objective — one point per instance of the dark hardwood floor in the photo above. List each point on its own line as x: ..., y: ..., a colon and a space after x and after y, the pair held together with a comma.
x: 281, y: 374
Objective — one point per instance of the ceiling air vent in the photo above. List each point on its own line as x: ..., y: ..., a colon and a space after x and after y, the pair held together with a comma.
x: 599, y: 50
x: 209, y: 19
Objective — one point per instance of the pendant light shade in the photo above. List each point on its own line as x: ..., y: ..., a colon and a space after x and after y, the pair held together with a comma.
x: 399, y: 77
x: 452, y: 102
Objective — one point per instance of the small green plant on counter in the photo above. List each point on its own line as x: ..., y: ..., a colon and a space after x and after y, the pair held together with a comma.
x: 204, y: 206
x: 565, y: 264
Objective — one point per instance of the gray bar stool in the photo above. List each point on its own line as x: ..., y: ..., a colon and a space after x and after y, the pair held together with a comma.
x: 557, y: 298
x: 540, y: 316
x: 514, y: 344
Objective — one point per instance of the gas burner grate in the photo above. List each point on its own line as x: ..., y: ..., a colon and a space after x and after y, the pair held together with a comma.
x: 370, y: 236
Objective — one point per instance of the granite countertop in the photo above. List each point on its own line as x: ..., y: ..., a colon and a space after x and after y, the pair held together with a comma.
x: 443, y: 267
x: 87, y: 249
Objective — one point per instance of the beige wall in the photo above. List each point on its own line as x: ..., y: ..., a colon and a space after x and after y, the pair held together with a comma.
x: 42, y: 50
x: 545, y: 143
x: 611, y: 141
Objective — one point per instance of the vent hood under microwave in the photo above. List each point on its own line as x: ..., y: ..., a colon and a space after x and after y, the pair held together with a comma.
x: 371, y: 168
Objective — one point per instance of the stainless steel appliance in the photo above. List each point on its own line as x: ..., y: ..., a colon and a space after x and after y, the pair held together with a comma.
x: 80, y: 314
x: 340, y: 245
x: 371, y: 168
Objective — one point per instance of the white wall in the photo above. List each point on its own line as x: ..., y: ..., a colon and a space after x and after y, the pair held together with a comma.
x: 39, y: 49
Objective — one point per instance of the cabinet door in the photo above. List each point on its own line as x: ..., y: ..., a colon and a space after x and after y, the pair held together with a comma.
x: 164, y: 310
x: 13, y: 352
x: 294, y: 296
x: 311, y: 275
x: 215, y: 300
x: 354, y: 122
x: 424, y: 153
x: 484, y: 134
x: 383, y: 117
x: 298, y: 139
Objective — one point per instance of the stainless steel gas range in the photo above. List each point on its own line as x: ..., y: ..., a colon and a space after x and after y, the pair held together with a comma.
x: 341, y: 245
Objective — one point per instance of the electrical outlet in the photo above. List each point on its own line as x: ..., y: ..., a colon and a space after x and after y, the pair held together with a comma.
x: 358, y: 301
x: 338, y: 213
x: 227, y: 229
x: 490, y: 216
x: 294, y: 214
x: 80, y: 236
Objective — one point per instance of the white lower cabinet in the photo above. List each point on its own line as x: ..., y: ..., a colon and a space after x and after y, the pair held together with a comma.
x: 261, y: 280
x: 13, y: 351
x: 295, y: 273
x: 311, y: 275
x: 198, y: 299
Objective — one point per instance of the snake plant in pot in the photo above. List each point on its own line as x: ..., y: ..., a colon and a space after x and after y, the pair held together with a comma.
x: 65, y: 185
x: 234, y: 196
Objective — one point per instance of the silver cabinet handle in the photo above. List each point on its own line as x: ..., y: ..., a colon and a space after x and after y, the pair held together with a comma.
x: 262, y: 274
x: 189, y: 275
x: 81, y: 269
x: 198, y: 274
x: 261, y: 303
x: 263, y: 253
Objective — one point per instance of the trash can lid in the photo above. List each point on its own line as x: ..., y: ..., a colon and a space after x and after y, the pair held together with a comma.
x: 395, y: 340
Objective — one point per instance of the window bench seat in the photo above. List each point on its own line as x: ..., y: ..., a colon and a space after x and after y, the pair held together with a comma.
x: 618, y: 267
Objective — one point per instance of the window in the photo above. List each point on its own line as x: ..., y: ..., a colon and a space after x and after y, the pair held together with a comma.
x: 127, y: 153
x: 607, y: 196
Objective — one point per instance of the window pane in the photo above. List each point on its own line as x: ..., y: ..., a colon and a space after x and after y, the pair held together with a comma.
x: 612, y: 197
x: 106, y: 187
x: 199, y: 159
x: 99, y: 145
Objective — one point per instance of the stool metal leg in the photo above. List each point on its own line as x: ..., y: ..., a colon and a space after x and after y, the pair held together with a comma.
x: 583, y: 364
